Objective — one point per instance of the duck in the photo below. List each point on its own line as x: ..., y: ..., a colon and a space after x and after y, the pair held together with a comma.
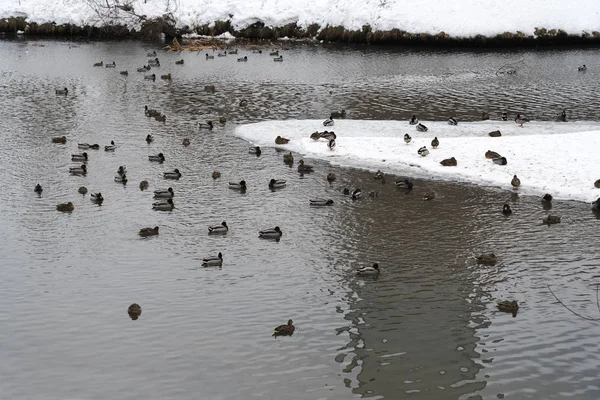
x: 508, y: 306
x: 495, y: 133
x: 97, y: 198
x: 38, y: 188
x: 122, y: 170
x: 59, y: 139
x: 435, y: 142
x: 521, y: 120
x: 379, y: 175
x: 422, y: 128
x: 150, y: 112
x: 304, y: 168
x: 224, y: 54
x: 595, y: 204
x: 111, y: 65
x: 223, y: 228
x: 243, y: 59
x: 175, y: 174
x: 356, y: 194
x: 153, y: 54
x: 407, y: 138
x: 331, y: 144
x: 164, y: 193
x: 562, y: 117
x: 331, y: 177
x: 150, y: 77
x: 179, y: 62
x: 65, y: 207
x: 145, y: 232
x: 346, y: 191
x: 276, y: 183
x: 134, y: 311
x: 241, y: 185
x: 504, y: 116
x: 328, y: 135
x: 78, y: 170
x: 144, y: 185
x: 423, y: 151
x: 339, y: 114
x: 209, y: 57
x: 210, y: 88
x: 285, y: 330
x: 547, y: 198
x: 320, y: 202
x: 208, y: 125
x: 145, y: 68
x: 154, y: 62
x: 110, y: 147
x: 213, y: 261
x: 256, y: 51
x: 163, y: 205
x: 413, y: 120
x: 254, y: 150
x: 166, y: 77
x: 452, y: 121
x: 121, y: 179
x: 404, y: 184
x: 235, y: 51
x: 500, y: 161
x: 288, y: 158
x: 124, y: 73
x: 216, y: 175
x: 488, y: 259
x: 597, y: 184
x: 272, y: 233
x: 274, y: 53
x: 492, y: 154
x: 449, y: 162
x: 281, y: 140
x: 368, y: 271
x: 583, y: 68
x: 160, y: 118
x: 186, y: 142
x: 149, y: 139
x: 222, y: 120
x: 315, y: 135
x: 95, y: 146
x: 506, y: 210
x: 243, y: 103
x: 429, y: 196
x: 280, y: 59
x: 82, y: 190
x: 515, y: 182
x: 485, y: 115
x: 551, y: 219
x: 79, y: 157
x: 62, y: 92
x: 99, y: 64
x: 157, y: 158
x: 329, y: 121
x: 83, y: 146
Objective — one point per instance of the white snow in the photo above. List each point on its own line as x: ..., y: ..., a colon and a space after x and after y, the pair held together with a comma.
x: 548, y: 157
x: 458, y: 18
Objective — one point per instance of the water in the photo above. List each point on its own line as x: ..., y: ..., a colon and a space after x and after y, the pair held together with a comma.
x: 427, y: 328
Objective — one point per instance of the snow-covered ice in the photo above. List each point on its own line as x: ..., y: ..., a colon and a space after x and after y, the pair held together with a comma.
x: 458, y: 18
x: 548, y: 157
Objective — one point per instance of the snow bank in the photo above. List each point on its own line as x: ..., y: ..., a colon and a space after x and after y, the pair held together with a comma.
x: 556, y: 158
x: 459, y: 18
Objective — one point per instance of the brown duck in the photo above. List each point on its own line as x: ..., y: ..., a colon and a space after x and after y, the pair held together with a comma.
x: 285, y: 330
x: 492, y: 154
x: 449, y: 162
x: 487, y: 259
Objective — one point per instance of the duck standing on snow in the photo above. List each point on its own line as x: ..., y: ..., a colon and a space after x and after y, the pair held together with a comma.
x: 521, y: 120
x: 500, y: 161
x: 328, y: 121
x: 407, y: 138
x: 274, y: 233
x: 243, y: 59
x: 368, y: 271
x: 452, y: 121
x: 276, y: 183
x: 435, y: 142
x: 422, y: 128
x: 122, y: 170
x: 515, y: 182
x: 449, y: 162
x: 218, y: 229
x: 506, y: 210
x: 423, y: 151
x: 213, y: 261
x: 492, y: 154
x: 331, y: 144
x: 597, y: 184
x: 413, y: 120
x: 281, y: 140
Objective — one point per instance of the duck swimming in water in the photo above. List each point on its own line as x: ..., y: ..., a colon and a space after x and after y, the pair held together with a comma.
x: 62, y: 92
x: 505, y: 116
x: 488, y: 259
x: 407, y: 138
x: 97, y: 198
x: 562, y: 117
x: 38, y: 188
x: 274, y: 233
x: 356, y: 194
x: 163, y: 205
x: 547, y: 198
x: 160, y: 157
x: 288, y: 158
x: 255, y: 150
x: 583, y: 68
x: 208, y: 125
x: 331, y: 177
x: 175, y: 174
x: 506, y: 210
x: 213, y: 261
x: 79, y: 157
x: 304, y: 168
x: 65, y: 207
x: 404, y: 184
x: 551, y: 219
x: 218, y: 229
x: 110, y: 147
x: 121, y: 179
x: 368, y: 271
x: 429, y: 196
x: 320, y: 202
x: 506, y: 306
x: 164, y: 194
x: 241, y: 185
x: 276, y: 183
x: 338, y: 114
x: 145, y: 232
x: 285, y: 330
x: 78, y: 170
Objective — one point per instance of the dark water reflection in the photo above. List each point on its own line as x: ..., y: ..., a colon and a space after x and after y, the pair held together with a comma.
x: 427, y: 328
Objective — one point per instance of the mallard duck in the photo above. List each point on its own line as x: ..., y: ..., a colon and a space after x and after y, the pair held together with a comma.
x: 504, y: 116
x: 492, y: 154
x: 97, y: 198
x: 285, y: 330
x: 160, y: 118
x: 304, y: 168
x: 222, y: 120
x: 423, y: 151
x: 213, y: 261
x: 65, y: 207
x: 210, y: 88
x: 356, y: 194
x: 488, y: 259
x: 62, y: 92
x: 421, y: 128
x: 216, y: 175
x: 111, y: 65
x: 145, y: 232
x: 175, y: 174
x: 320, y: 202
x: 99, y: 64
x: 110, y: 147
x: 153, y: 54
x: 83, y: 146
x: 288, y: 158
x: 243, y: 59
x: 547, y: 198
x: 273, y: 233
x: 329, y: 121
x: 331, y: 177
x: 223, y: 228
x: 186, y: 142
x: 328, y: 135
x: 583, y: 68
x: 144, y: 185
x: 500, y: 161
x: 145, y: 68
x: 157, y: 158
x: 122, y: 170
x: 224, y: 54
x: 331, y: 144
x: 209, y: 57
x: 506, y: 210
x: 78, y: 170
x: 166, y: 205
x: 164, y: 193
x: 404, y: 184
x: 315, y: 135
x: 495, y: 134
x: 413, y: 120
x: 82, y: 190
x: 407, y: 138
x: 429, y: 196
x: 449, y: 162
x: 378, y: 175
x: 95, y: 146
x: 276, y: 183
x: 485, y: 116
x: 256, y: 51
x: 154, y: 62
x: 521, y: 120
x: 150, y: 77
x: 435, y: 142
x: 280, y: 58
x: 235, y: 51
x: 597, y: 184
x: 149, y: 138
x: 595, y: 204
x: 452, y: 121
x: 254, y: 150
x: 274, y: 53
x: 121, y: 179
x: 562, y: 117
x: 150, y: 112
x: 243, y: 103
x: 179, y: 62
x: 551, y: 219
x: 134, y: 311
x: 60, y: 139
x: 515, y: 182
x: 338, y: 114
x: 166, y: 77
x: 124, y: 73
x: 508, y: 306
x: 368, y: 271
x: 281, y: 140
x: 38, y: 188
x: 208, y: 125
x: 241, y: 185
x: 79, y: 157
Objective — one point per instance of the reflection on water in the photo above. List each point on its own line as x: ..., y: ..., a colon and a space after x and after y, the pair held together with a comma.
x: 426, y: 328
